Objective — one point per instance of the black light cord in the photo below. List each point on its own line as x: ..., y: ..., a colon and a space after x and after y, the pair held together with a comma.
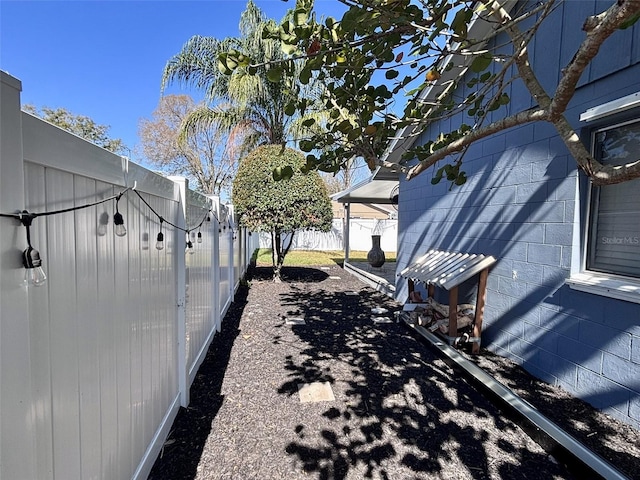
x: 27, y: 217
x: 162, y: 219
x: 24, y: 215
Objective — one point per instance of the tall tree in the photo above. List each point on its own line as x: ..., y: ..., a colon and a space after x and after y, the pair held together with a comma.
x: 255, y: 106
x: 80, y: 125
x: 426, y: 46
x: 202, y: 156
x: 271, y: 195
x: 346, y: 177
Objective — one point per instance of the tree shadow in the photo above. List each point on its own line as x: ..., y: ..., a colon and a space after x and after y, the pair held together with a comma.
x: 537, y: 321
x: 180, y: 455
x: 399, y: 411
x: 291, y: 274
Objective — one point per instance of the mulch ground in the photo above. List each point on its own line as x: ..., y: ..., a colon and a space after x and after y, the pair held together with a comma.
x: 400, y: 412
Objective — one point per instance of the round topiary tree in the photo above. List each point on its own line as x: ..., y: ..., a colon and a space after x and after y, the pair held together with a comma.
x: 271, y: 194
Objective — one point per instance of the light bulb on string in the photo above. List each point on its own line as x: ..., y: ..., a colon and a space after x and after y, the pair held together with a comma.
x: 189, y: 248
x: 160, y: 241
x: 34, y: 273
x: 103, y: 221
x: 199, y: 237
x: 160, y: 237
x: 118, y: 220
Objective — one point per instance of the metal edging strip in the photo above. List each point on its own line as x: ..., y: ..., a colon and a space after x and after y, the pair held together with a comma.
x: 524, y: 408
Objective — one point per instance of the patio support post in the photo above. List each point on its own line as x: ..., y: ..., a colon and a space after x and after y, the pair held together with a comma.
x: 347, y: 248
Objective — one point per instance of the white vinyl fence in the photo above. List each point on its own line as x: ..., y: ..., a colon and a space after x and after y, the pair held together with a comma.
x: 95, y: 364
x: 360, y: 231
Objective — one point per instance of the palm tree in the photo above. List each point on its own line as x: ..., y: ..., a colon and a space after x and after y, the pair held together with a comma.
x: 245, y: 104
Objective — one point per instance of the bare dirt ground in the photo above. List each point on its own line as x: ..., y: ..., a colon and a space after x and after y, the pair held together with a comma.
x: 399, y: 411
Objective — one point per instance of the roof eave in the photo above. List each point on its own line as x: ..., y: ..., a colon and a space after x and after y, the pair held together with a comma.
x: 408, y: 135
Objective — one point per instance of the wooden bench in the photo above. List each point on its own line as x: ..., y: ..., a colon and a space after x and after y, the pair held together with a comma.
x: 448, y: 270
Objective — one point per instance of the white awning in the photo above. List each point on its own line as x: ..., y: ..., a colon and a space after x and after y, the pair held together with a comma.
x: 378, y: 188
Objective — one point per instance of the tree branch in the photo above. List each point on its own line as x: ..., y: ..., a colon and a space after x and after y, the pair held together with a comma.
x: 598, y: 28
x: 521, y: 118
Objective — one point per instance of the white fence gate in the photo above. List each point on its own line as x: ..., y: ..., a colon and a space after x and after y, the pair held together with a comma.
x: 95, y: 364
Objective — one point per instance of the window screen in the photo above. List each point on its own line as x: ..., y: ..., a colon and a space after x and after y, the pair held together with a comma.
x: 614, y: 233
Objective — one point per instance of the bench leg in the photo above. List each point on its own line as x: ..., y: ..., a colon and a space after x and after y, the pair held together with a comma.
x: 453, y: 312
x: 482, y: 297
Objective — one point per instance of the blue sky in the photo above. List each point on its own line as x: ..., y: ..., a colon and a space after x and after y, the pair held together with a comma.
x: 104, y: 59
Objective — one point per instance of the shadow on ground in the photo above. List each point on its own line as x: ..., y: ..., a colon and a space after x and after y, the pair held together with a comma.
x: 401, y: 411
x: 192, y: 426
x: 291, y: 274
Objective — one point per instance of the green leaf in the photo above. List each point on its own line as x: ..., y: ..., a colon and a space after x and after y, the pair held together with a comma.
x: 300, y: 16
x: 290, y: 109
x: 289, y: 48
x: 438, y: 176
x: 391, y: 74
x: 271, y: 31
x: 344, y: 126
x: 353, y: 134
x: 222, y: 66
x: 274, y: 74
x: 306, y: 145
x: 227, y: 63
x: 305, y: 76
x: 461, y: 179
x: 459, y: 24
x: 287, y: 172
x: 481, y: 62
x: 308, y: 122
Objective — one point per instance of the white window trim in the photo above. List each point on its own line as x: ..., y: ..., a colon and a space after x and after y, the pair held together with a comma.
x: 604, y: 284
x: 611, y: 108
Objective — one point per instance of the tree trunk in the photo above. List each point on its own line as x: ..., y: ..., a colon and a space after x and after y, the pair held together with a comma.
x: 279, y: 252
x: 276, y: 253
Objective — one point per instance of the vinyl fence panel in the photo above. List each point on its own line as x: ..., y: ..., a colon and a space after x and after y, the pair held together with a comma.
x: 96, y: 362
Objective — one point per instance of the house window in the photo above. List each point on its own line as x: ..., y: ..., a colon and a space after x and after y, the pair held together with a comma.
x: 613, y: 238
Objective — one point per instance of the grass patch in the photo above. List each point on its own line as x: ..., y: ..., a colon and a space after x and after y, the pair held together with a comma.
x: 297, y: 258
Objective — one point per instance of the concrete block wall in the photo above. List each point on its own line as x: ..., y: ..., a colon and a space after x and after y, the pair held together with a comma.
x: 519, y: 204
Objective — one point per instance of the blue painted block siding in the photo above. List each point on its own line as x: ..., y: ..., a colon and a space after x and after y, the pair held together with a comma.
x: 519, y: 205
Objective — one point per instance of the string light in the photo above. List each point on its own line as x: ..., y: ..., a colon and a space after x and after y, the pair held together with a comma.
x: 32, y: 262
x: 160, y: 237
x: 118, y: 220
x: 34, y: 273
x: 190, y: 250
